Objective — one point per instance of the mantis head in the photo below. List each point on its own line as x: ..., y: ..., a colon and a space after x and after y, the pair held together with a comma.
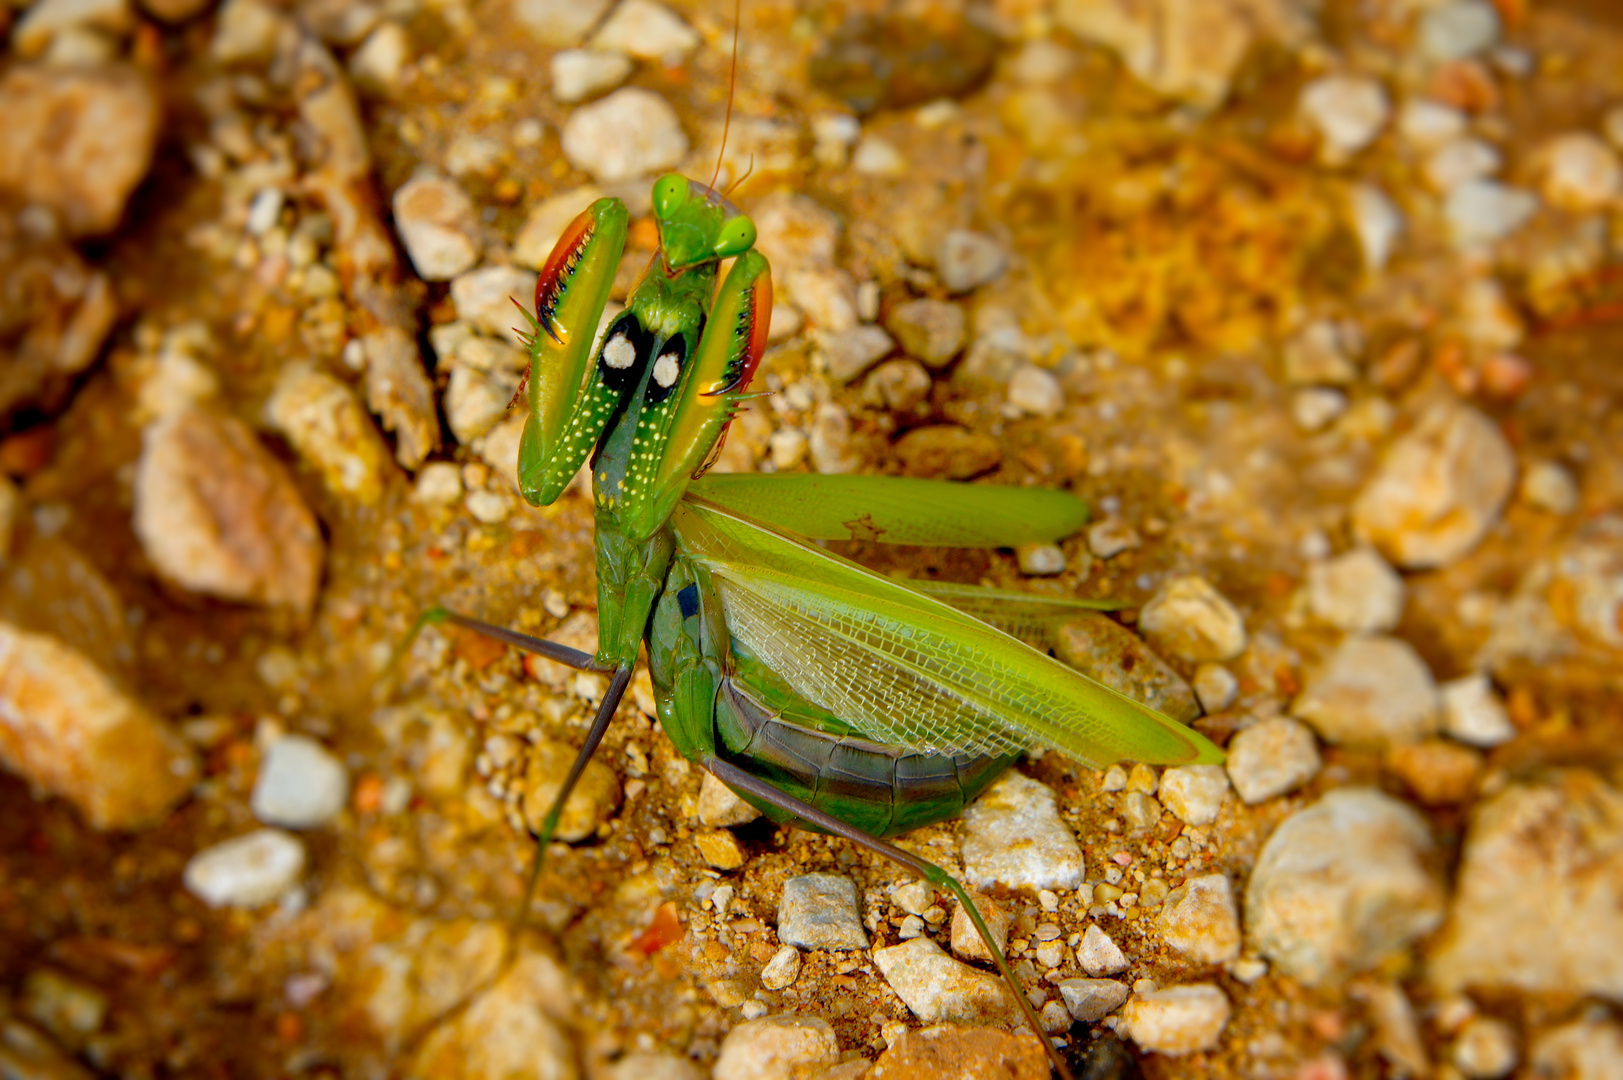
x: 696, y: 225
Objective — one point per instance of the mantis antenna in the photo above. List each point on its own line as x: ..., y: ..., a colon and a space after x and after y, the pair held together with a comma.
x: 732, y: 86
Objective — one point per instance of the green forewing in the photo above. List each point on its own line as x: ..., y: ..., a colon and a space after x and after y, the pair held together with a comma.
x: 899, y: 509
x: 906, y: 669
x: 1027, y: 616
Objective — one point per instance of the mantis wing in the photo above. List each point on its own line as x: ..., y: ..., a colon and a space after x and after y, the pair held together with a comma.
x: 904, y: 668
x: 898, y: 509
x: 1027, y: 616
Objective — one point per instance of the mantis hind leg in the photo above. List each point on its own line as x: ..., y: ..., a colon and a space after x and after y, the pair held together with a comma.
x: 563, y: 654
x: 743, y: 782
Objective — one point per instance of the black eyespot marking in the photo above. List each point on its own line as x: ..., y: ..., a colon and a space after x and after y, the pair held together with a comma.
x: 624, y: 351
x: 688, y: 601
x: 672, y: 356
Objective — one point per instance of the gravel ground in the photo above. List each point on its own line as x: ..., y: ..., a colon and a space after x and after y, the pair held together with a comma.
x: 1318, y: 305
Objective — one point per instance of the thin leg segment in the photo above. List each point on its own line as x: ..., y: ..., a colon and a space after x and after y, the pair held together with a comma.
x: 563, y: 654
x: 434, y: 616
x: 549, y: 824
x: 737, y: 778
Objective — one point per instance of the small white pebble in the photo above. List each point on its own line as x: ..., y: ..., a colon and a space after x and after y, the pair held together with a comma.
x: 1473, y: 713
x: 1377, y: 221
x: 247, y: 872
x: 1456, y: 30
x: 1216, y: 687
x: 1426, y: 124
x: 489, y: 507
x: 782, y: 970
x: 1549, y: 486
x: 1348, y: 110
x: 1035, y: 390
x: 1098, y: 955
x: 1483, y: 211
x: 1580, y: 172
x: 1055, y: 1017
x: 1248, y: 969
x: 265, y: 211
x: 1485, y: 1049
x: 875, y: 156
x: 1460, y: 160
x: 1111, y: 537
x: 1315, y: 406
x: 438, y: 484
x: 300, y: 784
x: 1040, y: 560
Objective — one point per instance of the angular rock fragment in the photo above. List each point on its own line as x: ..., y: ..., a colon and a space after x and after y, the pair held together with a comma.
x: 68, y: 731
x: 559, y: 23
x: 1200, y: 920
x: 1013, y: 836
x: 819, y: 911
x: 782, y: 970
x: 328, y: 428
x: 301, y: 784
x: 633, y: 132
x: 1474, y: 714
x: 1195, y: 793
x: 1439, y: 488
x: 968, y: 259
x: 720, y: 807
x: 507, y: 1031
x: 1184, y: 49
x: 1341, y: 885
x: 947, y: 1050
x: 1091, y: 1000
x: 578, y: 74
x: 1568, y: 606
x: 774, y: 1047
x: 398, y: 391
x: 948, y: 452
x: 647, y: 30
x: 248, y: 871
x: 217, y: 514
x: 1191, y: 620
x: 55, y: 312
x: 77, y: 141
x: 594, y: 798
x: 436, y: 223
x: 1178, y: 1020
x: 1356, y: 592
x: 1272, y: 757
x: 966, y: 940
x: 1103, y: 649
x: 1372, y: 691
x: 1587, y: 1049
x: 938, y: 988
x: 930, y: 331
x: 1539, y: 904
x: 1098, y: 955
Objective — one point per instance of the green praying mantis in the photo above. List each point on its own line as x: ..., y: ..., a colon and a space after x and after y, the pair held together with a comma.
x: 826, y: 695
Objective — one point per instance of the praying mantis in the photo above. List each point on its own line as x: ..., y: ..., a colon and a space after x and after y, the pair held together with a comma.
x: 826, y: 695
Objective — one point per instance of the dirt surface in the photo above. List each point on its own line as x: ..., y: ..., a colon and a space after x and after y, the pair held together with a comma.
x: 1158, y: 246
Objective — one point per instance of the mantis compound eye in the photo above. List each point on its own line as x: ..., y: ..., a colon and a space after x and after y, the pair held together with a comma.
x: 670, y: 192
x: 737, y: 237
